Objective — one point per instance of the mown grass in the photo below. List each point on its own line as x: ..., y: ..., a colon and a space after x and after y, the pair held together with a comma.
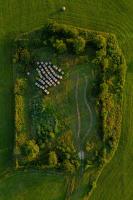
x: 32, y: 185
x: 102, y: 15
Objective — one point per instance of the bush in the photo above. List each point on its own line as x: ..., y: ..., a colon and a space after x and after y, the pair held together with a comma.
x: 20, y: 86
x: 53, y: 160
x: 30, y: 150
x: 105, y: 63
x: 68, y: 166
x: 79, y: 45
x: 60, y: 46
x: 19, y: 105
x: 24, y: 56
x: 60, y: 31
x: 99, y: 41
x: 76, y: 45
x: 19, y: 114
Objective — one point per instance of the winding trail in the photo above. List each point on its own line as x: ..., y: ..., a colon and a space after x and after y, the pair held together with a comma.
x: 78, y: 109
x: 88, y: 106
x: 77, y: 106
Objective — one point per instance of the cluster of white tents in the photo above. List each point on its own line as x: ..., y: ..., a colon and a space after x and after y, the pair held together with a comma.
x: 49, y: 75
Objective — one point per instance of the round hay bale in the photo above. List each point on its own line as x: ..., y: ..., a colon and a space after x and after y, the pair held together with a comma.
x: 63, y: 8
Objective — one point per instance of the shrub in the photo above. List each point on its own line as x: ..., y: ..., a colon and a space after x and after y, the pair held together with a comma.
x: 68, y: 166
x: 30, y: 150
x: 105, y: 63
x: 24, y: 56
x: 19, y: 114
x: 60, y: 30
x: 19, y: 105
x: 20, y: 86
x: 60, y: 46
x: 53, y: 160
x: 99, y: 41
x: 76, y: 45
x: 79, y: 45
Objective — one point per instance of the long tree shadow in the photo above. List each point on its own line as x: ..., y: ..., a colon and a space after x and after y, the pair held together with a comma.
x: 7, y: 132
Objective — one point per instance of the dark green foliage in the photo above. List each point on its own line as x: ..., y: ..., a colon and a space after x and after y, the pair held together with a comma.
x: 113, y: 68
x: 29, y: 150
x: 44, y: 121
x: 60, y: 46
x: 79, y: 45
x: 99, y: 41
x: 60, y: 31
x: 35, y: 43
x: 66, y: 152
x: 53, y: 160
x: 22, y: 56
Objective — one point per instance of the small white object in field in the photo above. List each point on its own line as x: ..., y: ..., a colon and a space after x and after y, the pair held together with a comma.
x: 63, y: 8
x: 81, y: 155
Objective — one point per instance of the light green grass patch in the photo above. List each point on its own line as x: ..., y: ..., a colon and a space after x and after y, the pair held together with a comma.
x: 32, y: 185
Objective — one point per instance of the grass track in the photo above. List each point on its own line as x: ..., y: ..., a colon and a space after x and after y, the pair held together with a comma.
x: 102, y: 15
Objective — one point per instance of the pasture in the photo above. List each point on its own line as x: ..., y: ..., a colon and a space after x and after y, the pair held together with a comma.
x: 109, y: 16
x: 32, y: 185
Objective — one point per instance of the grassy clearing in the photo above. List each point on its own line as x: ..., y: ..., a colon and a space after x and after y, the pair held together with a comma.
x: 63, y: 98
x: 32, y: 186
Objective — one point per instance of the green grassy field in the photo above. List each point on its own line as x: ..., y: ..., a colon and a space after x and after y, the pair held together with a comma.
x: 64, y: 99
x: 102, y: 15
x: 32, y: 185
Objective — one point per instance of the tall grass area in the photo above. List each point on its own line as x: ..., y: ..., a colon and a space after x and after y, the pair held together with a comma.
x: 102, y: 15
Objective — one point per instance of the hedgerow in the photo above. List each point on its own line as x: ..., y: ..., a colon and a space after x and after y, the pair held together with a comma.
x: 60, y: 152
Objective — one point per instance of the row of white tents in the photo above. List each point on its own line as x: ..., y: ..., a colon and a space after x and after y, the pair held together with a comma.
x: 49, y: 75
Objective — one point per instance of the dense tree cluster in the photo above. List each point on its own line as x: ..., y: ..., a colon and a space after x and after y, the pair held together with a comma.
x: 19, y: 105
x: 22, y: 56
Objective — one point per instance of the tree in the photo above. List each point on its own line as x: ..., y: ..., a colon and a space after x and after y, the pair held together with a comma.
x: 60, y: 46
x: 68, y: 166
x: 99, y: 41
x: 79, y: 45
x: 105, y: 63
x: 30, y: 150
x: 24, y: 56
x: 53, y: 160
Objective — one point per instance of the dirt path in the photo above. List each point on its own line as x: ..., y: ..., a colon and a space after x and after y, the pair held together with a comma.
x: 88, y: 108
x: 77, y: 106
x: 78, y: 109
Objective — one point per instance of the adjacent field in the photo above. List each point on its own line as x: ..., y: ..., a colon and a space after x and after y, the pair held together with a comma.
x: 32, y: 185
x: 110, y: 16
